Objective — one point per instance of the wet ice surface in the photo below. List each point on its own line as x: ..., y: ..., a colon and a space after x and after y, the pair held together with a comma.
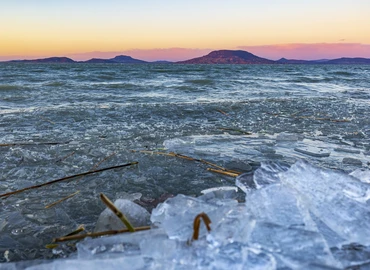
x: 103, y: 122
x: 287, y: 224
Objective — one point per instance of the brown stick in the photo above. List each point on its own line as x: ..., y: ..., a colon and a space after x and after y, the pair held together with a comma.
x: 100, y: 162
x: 77, y: 231
x: 62, y: 200
x: 80, y: 228
x: 213, y: 165
x: 41, y: 143
x: 172, y: 154
x: 97, y: 234
x: 65, y: 157
x: 117, y: 212
x: 196, y: 224
x: 223, y: 172
x: 221, y: 111
x: 67, y: 178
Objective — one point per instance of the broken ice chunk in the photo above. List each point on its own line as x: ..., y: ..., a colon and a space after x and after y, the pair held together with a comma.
x: 236, y: 256
x: 352, y: 254
x: 278, y: 204
x: 220, y: 192
x: 352, y: 161
x: 361, y: 174
x: 129, y: 196
x: 313, y: 151
x: 136, y: 214
x: 176, y: 215
x: 245, y: 182
x: 286, y: 137
x: 331, y: 237
x: 126, y: 244
x: 347, y: 150
x: 267, y: 174
x: 158, y: 246
x: 334, y: 197
x: 128, y: 262
x: 232, y: 225
x: 295, y: 248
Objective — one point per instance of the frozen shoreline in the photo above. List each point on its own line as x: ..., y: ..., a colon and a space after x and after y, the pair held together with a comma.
x: 65, y: 120
x: 302, y: 217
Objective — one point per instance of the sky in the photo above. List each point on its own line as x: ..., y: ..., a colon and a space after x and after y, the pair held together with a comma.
x: 178, y: 30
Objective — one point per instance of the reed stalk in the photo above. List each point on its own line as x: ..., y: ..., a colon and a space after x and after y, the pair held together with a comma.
x: 117, y: 212
x: 97, y: 234
x: 67, y: 178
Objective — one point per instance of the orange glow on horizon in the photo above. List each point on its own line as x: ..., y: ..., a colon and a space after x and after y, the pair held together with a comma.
x: 48, y: 28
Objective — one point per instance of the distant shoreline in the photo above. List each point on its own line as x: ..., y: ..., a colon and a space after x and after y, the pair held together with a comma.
x: 226, y: 57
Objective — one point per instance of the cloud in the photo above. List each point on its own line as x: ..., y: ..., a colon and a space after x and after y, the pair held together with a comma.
x: 310, y: 51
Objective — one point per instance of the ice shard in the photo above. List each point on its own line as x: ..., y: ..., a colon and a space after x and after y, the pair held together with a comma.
x: 334, y: 197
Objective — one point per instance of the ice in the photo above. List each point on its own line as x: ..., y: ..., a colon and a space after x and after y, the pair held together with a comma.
x: 131, y: 262
x: 245, y: 182
x: 352, y: 254
x: 362, y: 175
x: 352, y: 161
x: 298, y: 217
x: 285, y: 137
x: 265, y: 175
x: 334, y: 197
x: 347, y: 150
x: 136, y: 214
x: 176, y: 215
x: 278, y: 204
x: 224, y: 192
x: 313, y: 151
x: 268, y: 173
x: 293, y: 247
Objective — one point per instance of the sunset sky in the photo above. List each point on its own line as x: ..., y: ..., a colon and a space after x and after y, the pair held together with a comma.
x: 178, y: 30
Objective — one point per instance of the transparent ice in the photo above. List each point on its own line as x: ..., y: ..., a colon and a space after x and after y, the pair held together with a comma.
x: 302, y: 217
x: 136, y: 214
x: 339, y: 200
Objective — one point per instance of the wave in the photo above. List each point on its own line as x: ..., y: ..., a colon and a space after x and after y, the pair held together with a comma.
x: 342, y: 73
x: 55, y: 83
x: 200, y: 81
x: 6, y: 87
x: 310, y: 80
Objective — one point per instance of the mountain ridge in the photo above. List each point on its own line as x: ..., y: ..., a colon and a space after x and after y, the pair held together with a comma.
x: 214, y: 57
x: 228, y: 57
x: 122, y: 59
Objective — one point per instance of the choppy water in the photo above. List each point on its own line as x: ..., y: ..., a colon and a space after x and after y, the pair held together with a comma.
x: 91, y: 111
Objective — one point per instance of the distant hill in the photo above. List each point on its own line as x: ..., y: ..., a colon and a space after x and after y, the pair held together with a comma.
x: 122, y: 59
x: 292, y: 61
x: 228, y: 57
x: 339, y: 61
x: 47, y: 60
x: 214, y: 57
x: 349, y: 61
x: 162, y: 62
x: 98, y: 61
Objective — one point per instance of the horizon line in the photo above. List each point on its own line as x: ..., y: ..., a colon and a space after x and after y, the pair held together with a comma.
x: 296, y: 51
